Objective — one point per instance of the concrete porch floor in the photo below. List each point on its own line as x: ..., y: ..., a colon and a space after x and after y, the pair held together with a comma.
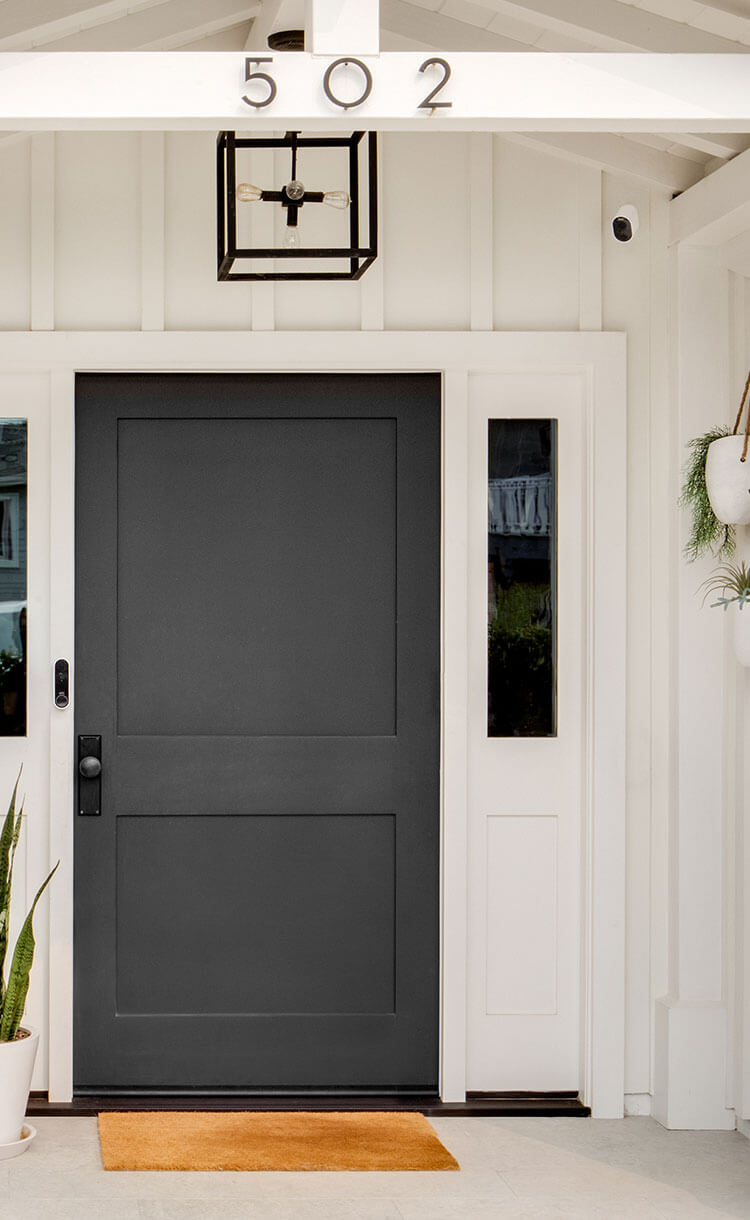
x: 512, y: 1169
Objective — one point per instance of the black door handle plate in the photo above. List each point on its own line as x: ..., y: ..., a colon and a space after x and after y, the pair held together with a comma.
x: 89, y: 776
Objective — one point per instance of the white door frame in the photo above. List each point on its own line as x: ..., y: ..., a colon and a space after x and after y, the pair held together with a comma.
x: 601, y: 359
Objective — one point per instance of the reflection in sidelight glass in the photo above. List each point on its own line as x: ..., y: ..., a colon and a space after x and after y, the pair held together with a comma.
x: 522, y: 578
x: 12, y: 577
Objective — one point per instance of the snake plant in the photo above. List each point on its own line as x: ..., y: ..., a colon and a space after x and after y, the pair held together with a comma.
x: 13, y: 997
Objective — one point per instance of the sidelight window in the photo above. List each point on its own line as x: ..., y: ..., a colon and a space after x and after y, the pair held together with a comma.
x: 522, y: 617
x: 13, y: 588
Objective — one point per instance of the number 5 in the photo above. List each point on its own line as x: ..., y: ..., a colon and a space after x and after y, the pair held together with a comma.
x: 251, y: 76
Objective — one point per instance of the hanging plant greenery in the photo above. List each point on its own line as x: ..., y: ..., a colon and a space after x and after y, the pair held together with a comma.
x: 707, y: 533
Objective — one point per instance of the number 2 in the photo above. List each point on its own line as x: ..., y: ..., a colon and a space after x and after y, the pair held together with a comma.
x: 428, y: 103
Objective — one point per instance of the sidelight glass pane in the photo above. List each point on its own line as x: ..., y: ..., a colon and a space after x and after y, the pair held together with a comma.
x: 12, y: 577
x: 522, y: 578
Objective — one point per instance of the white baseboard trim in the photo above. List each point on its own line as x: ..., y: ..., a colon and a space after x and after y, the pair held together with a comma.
x: 639, y: 1105
x: 743, y: 1126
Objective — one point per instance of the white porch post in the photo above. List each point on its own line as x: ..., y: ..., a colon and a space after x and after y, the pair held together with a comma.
x: 690, y: 1079
x: 343, y: 27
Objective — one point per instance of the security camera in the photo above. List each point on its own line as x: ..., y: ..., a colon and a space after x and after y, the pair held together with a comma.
x: 625, y: 222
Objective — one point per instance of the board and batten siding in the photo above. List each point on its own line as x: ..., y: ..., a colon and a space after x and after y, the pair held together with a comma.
x: 116, y: 232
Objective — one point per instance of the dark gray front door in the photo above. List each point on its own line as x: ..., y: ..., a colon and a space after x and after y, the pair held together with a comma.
x: 257, y: 644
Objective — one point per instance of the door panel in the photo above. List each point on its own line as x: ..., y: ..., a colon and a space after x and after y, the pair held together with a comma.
x: 258, y: 647
x: 526, y: 786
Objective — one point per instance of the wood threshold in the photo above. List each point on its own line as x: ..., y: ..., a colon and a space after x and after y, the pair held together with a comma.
x: 507, y: 1105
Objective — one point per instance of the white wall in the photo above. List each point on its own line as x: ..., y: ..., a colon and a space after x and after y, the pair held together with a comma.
x: 475, y: 230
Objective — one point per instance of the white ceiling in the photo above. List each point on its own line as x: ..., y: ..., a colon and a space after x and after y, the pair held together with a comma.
x: 465, y: 25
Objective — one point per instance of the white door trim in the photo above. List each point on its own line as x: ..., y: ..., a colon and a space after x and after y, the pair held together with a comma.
x: 602, y: 359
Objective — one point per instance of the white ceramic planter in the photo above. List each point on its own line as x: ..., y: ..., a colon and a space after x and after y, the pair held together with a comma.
x: 16, y: 1067
x: 741, y: 633
x: 728, y: 480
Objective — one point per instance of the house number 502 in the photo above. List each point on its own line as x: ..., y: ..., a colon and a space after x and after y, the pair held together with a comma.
x: 268, y: 90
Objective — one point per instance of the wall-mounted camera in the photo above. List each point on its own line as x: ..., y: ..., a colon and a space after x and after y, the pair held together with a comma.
x: 625, y: 222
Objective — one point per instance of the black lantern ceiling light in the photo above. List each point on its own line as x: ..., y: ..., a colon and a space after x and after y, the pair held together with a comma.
x: 361, y: 204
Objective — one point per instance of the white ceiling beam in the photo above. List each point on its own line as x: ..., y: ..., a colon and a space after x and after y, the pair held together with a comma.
x: 614, y: 26
x: 618, y: 155
x: 530, y: 92
x: 343, y: 27
x: 438, y: 32
x: 715, y: 210
x: 163, y: 27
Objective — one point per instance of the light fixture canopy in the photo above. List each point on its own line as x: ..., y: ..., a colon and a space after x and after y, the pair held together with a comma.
x: 360, y: 199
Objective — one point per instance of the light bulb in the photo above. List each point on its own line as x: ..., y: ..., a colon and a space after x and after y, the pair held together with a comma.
x: 294, y: 189
x: 291, y: 239
x: 247, y: 193
x: 337, y: 199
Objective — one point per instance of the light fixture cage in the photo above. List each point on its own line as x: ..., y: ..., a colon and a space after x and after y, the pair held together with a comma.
x: 363, y: 210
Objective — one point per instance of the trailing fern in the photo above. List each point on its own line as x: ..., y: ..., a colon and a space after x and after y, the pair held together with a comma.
x: 13, y: 997
x: 707, y: 533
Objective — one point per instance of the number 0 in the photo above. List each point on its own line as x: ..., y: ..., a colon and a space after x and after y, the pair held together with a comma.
x: 339, y: 63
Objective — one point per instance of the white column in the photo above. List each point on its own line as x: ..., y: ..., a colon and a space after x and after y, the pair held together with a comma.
x: 691, y: 1049
x: 343, y: 27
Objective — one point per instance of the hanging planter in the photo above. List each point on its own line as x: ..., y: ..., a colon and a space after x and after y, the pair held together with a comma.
x: 728, y: 471
x: 708, y: 534
x: 716, y: 486
x: 732, y: 582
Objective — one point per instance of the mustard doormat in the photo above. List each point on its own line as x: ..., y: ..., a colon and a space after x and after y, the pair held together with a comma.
x: 270, y: 1141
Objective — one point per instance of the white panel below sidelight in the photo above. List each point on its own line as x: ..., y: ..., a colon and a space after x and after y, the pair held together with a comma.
x: 521, y: 915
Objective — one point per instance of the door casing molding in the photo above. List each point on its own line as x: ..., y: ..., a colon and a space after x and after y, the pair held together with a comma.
x: 600, y: 357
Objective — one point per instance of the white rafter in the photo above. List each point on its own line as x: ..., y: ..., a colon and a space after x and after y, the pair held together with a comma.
x: 613, y: 25
x: 164, y: 26
x: 28, y: 23
x: 715, y: 210
x: 618, y: 155
x: 438, y: 32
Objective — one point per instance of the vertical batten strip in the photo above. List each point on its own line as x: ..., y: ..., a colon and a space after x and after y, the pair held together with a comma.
x: 663, y: 493
x: 43, y: 231
x: 480, y: 233
x: 734, y: 684
x: 742, y: 1042
x: 589, y: 248
x: 61, y: 780
x: 152, y: 230
x: 455, y: 732
x: 372, y: 284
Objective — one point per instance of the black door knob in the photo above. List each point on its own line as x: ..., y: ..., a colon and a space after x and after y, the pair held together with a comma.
x: 90, y: 767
